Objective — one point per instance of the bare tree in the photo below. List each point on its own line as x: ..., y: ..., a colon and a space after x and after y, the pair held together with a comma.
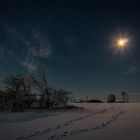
x: 60, y: 98
x: 39, y: 81
x: 17, y: 92
x: 49, y: 96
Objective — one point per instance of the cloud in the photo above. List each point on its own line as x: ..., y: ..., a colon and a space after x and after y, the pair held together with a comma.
x: 33, y: 40
x: 38, y: 45
x: 131, y: 70
x: 33, y: 44
x: 42, y: 52
x: 30, y: 64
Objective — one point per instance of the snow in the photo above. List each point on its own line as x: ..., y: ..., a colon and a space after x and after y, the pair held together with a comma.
x: 97, y: 121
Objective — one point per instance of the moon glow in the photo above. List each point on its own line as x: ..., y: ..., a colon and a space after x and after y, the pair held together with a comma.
x: 122, y: 43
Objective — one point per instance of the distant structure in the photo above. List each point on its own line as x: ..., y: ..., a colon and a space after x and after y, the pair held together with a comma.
x: 111, y: 98
x: 125, y: 97
x: 87, y: 98
x: 95, y: 101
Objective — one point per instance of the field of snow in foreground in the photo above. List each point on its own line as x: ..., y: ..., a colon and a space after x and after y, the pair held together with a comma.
x: 96, y: 122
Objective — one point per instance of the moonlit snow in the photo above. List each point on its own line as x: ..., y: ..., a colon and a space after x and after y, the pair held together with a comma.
x: 95, y: 122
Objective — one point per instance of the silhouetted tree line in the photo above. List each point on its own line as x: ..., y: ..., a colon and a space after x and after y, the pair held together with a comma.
x: 21, y: 92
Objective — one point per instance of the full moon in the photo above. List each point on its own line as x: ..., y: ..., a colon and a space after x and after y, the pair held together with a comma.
x: 122, y: 42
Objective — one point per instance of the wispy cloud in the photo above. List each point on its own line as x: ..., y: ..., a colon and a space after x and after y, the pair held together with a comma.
x: 131, y: 70
x: 30, y: 64
x: 33, y: 42
x: 42, y: 52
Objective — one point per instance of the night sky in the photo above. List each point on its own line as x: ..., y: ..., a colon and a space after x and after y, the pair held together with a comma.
x: 73, y: 42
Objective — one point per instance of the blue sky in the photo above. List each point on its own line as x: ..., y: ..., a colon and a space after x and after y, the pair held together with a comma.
x: 72, y: 41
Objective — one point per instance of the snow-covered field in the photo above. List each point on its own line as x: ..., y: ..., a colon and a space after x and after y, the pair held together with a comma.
x: 96, y: 122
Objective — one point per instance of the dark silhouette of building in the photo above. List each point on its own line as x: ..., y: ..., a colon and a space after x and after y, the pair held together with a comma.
x: 95, y: 101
